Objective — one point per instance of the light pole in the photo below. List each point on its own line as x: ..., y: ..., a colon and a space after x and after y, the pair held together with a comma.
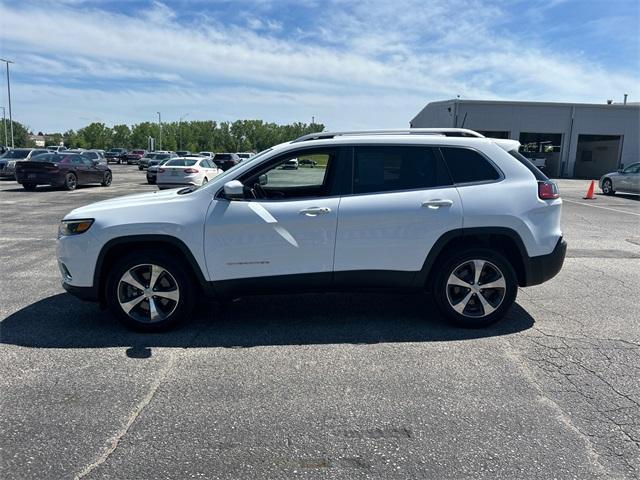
x: 160, y: 123
x: 4, y: 122
x: 9, y: 92
x: 180, y: 130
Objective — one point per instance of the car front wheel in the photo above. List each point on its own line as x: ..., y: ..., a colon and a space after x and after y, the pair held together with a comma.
x: 149, y: 291
x: 70, y: 181
x: 475, y: 288
x: 30, y: 187
x: 106, y: 179
x: 607, y: 187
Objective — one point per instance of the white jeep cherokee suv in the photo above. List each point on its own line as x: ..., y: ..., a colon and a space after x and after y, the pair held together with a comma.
x: 445, y: 210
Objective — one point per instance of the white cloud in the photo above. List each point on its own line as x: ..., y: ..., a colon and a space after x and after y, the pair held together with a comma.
x: 360, y: 64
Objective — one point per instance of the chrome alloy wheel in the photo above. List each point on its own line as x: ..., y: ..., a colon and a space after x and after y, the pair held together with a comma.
x: 148, y: 293
x: 476, y: 288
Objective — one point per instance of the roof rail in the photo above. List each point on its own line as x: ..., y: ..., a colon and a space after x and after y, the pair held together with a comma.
x: 447, y: 132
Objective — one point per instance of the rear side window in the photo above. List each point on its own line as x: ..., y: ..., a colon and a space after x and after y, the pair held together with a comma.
x: 388, y: 169
x: 466, y: 165
x: 541, y: 177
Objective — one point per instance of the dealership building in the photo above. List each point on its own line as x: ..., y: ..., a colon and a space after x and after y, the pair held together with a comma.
x: 575, y: 139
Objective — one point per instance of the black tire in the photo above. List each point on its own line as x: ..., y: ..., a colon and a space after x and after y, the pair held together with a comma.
x: 70, y: 181
x: 30, y: 187
x: 140, y: 167
x: 607, y: 187
x: 106, y: 179
x: 474, y: 314
x: 178, y: 273
x: 205, y: 181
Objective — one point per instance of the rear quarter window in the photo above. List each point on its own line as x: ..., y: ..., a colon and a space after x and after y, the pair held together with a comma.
x: 468, y: 166
x: 527, y: 163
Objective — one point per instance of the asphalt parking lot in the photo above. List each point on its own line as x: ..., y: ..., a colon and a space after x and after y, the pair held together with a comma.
x: 323, y: 386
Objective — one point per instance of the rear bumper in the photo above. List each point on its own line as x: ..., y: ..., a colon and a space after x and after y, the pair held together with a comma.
x: 89, y: 294
x: 545, y: 267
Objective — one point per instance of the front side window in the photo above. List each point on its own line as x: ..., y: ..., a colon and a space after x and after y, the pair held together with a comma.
x: 396, y: 168
x: 466, y: 165
x: 634, y: 168
x: 291, y: 177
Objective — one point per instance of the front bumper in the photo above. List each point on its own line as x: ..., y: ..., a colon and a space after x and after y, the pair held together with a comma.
x: 544, y: 267
x: 89, y: 294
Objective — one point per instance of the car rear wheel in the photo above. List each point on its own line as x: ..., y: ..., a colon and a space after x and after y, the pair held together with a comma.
x: 206, y: 180
x: 29, y: 186
x: 149, y: 291
x: 607, y: 187
x: 106, y: 179
x: 70, y: 181
x: 475, y: 288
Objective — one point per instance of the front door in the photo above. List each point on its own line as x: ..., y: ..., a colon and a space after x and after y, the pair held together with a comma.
x: 403, y: 200
x: 285, y: 225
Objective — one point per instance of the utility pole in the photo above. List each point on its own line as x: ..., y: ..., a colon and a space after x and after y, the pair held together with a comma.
x: 160, y: 123
x: 4, y: 122
x: 9, y: 92
x: 180, y: 130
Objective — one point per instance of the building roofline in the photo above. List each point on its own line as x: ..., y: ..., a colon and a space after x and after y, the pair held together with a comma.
x: 531, y: 103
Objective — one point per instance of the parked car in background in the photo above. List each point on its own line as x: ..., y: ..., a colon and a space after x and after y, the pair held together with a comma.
x: 206, y: 154
x: 146, y: 161
x: 245, y: 155
x: 95, y: 155
x: 226, y: 160
x: 181, y: 171
x: 116, y: 155
x: 307, y: 162
x: 134, y: 156
x: 9, y: 159
x: 63, y: 169
x: 182, y: 153
x: 291, y: 164
x: 56, y: 148
x: 625, y: 180
x: 3, y: 148
x: 152, y: 169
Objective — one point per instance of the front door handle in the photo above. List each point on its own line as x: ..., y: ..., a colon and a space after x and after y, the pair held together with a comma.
x: 437, y: 203
x: 314, y: 211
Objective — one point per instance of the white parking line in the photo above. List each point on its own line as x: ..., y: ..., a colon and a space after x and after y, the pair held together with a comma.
x: 599, y: 206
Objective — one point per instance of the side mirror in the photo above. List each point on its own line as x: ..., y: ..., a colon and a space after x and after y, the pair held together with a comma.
x: 234, y: 190
x: 263, y: 179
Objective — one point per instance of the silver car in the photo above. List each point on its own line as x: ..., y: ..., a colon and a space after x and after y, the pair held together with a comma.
x: 624, y: 180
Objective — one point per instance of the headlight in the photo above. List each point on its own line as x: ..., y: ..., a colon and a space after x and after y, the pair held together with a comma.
x: 74, y: 227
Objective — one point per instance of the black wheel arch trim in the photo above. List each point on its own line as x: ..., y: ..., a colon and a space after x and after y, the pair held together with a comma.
x: 142, y: 239
x: 537, y: 269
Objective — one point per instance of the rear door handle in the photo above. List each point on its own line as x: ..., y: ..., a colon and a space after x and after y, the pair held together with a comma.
x: 437, y: 203
x: 314, y: 211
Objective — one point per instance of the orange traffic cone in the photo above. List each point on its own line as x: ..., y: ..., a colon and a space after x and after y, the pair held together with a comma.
x: 590, y: 196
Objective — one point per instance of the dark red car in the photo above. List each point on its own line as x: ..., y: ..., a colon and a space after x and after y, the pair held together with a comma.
x: 66, y: 170
x: 134, y: 156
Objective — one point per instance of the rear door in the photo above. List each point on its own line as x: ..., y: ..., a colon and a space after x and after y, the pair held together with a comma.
x: 402, y: 201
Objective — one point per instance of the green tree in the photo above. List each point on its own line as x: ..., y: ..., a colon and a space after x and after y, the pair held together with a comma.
x: 20, y: 135
x: 95, y: 135
x: 120, y: 136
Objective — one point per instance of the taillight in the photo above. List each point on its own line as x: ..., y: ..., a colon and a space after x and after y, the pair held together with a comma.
x: 190, y: 170
x: 161, y: 170
x: 548, y: 190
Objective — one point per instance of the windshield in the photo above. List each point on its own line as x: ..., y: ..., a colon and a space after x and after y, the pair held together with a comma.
x: 18, y: 153
x: 181, y: 162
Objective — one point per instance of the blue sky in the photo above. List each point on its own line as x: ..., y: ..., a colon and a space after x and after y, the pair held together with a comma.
x: 373, y: 63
